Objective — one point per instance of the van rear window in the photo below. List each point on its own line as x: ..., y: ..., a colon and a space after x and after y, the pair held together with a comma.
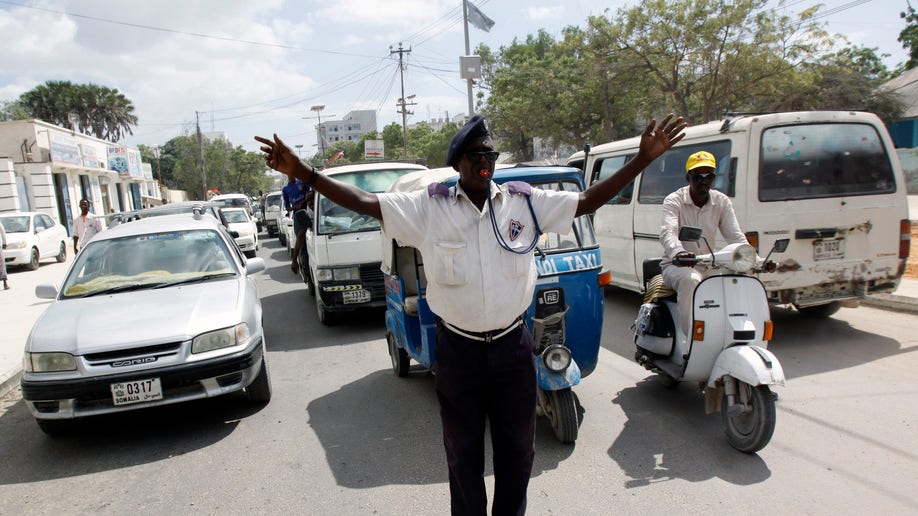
x: 823, y: 160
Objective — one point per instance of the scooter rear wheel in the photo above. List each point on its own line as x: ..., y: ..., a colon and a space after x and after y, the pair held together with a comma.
x: 751, y: 431
x: 401, y: 362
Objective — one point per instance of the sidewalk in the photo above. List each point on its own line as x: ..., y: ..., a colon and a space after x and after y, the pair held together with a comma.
x: 19, y: 309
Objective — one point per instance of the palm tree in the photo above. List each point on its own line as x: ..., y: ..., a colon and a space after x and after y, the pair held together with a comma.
x: 98, y: 110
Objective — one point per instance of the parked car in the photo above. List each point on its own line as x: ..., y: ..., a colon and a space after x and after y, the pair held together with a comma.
x: 242, y: 228
x: 32, y: 237
x: 274, y: 203
x: 156, y: 311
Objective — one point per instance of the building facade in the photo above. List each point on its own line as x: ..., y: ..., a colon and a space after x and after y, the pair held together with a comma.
x: 48, y: 168
x: 351, y: 128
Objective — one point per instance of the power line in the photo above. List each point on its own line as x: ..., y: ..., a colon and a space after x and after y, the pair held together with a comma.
x: 184, y: 33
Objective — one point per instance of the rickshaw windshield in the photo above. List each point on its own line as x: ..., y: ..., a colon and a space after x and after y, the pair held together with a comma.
x: 334, y: 219
x: 581, y: 236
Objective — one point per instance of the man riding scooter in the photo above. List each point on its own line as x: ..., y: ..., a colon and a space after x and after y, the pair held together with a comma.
x: 695, y: 205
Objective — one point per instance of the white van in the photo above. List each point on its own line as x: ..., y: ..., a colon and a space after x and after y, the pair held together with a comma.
x: 274, y: 203
x: 344, y: 249
x: 828, y: 180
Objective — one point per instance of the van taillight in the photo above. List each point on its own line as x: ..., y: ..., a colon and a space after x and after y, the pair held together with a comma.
x: 905, y: 237
x: 753, y: 238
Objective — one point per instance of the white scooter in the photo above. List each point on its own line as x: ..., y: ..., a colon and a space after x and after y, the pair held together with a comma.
x: 726, y: 352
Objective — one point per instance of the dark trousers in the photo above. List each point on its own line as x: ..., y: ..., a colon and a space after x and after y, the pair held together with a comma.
x: 496, y: 381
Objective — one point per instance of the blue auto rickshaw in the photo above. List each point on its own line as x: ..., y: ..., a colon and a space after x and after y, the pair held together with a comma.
x: 565, y: 316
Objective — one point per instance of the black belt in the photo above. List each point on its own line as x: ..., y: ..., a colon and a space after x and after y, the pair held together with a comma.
x: 484, y: 336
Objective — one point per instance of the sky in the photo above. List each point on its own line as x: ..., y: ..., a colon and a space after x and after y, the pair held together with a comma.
x: 248, y: 67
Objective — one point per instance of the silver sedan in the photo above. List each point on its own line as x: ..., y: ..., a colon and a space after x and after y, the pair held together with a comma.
x: 156, y: 311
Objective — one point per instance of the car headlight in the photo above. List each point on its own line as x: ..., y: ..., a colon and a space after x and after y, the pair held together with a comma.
x: 556, y: 358
x: 218, y: 339
x: 16, y: 245
x: 347, y: 273
x: 48, y: 362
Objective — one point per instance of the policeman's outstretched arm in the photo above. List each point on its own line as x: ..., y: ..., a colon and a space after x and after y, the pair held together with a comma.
x: 280, y: 157
x: 654, y: 141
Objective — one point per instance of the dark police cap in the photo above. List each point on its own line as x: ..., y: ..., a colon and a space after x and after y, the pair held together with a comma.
x: 476, y: 127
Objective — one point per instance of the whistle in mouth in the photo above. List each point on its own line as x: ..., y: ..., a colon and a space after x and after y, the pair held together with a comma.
x: 483, y: 172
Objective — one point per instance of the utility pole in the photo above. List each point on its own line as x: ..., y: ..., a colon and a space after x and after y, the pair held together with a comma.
x: 197, y: 123
x: 465, y: 24
x: 402, y: 101
x: 320, y: 130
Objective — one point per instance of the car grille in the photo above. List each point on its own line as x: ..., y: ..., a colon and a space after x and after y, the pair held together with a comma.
x: 110, y: 357
x: 372, y: 278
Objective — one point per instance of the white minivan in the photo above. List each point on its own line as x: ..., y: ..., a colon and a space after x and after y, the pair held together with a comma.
x: 828, y: 180
x: 344, y: 249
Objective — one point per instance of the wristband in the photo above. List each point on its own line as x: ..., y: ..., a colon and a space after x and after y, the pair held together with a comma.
x: 312, y: 178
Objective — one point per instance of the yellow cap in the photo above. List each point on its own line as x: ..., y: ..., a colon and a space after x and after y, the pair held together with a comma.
x: 700, y: 159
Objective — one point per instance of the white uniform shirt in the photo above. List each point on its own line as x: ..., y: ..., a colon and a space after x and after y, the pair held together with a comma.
x: 85, y: 229
x: 679, y: 210
x: 472, y: 282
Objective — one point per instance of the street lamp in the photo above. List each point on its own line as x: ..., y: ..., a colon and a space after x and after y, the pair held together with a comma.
x: 299, y: 152
x: 319, y: 130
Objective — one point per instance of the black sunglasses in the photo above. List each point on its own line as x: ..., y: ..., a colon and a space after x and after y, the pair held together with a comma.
x: 476, y: 155
x: 704, y: 177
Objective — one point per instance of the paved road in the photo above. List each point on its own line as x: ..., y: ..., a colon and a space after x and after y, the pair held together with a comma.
x: 344, y: 435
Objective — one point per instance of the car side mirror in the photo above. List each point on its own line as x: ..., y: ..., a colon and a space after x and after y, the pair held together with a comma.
x: 45, y: 291
x: 234, y: 234
x: 254, y: 265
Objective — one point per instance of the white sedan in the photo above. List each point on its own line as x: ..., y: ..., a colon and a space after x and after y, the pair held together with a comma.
x: 159, y: 310
x: 31, y: 237
x: 242, y: 227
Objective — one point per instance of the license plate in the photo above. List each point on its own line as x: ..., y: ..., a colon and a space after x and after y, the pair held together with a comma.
x: 138, y: 391
x: 355, y: 296
x: 829, y: 249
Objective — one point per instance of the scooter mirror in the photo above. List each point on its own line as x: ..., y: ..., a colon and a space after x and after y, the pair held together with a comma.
x: 689, y: 234
x: 781, y: 245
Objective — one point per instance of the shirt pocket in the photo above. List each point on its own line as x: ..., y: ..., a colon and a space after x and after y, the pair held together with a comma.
x: 516, y: 265
x: 451, y: 262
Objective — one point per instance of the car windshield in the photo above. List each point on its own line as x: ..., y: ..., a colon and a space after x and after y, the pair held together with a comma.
x: 334, y: 219
x: 274, y: 200
x: 148, y: 261
x: 582, y: 230
x: 18, y: 224
x: 234, y: 216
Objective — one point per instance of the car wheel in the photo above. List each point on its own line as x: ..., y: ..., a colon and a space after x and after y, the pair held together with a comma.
x: 55, y: 427
x: 62, y: 255
x: 33, y: 260
x: 283, y: 238
x: 259, y: 391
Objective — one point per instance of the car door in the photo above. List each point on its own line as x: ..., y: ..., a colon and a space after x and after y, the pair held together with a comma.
x: 42, y: 235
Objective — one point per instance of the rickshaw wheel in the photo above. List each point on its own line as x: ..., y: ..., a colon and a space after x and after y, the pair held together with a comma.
x: 562, y: 412
x: 401, y: 362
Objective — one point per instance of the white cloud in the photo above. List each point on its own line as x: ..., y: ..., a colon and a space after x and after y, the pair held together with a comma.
x: 543, y: 13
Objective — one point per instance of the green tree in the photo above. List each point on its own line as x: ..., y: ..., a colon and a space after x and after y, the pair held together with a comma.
x: 909, y: 36
x: 12, y: 110
x: 88, y: 108
x: 228, y: 169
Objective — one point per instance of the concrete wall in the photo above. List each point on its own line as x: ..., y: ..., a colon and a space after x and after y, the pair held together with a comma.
x: 909, y: 160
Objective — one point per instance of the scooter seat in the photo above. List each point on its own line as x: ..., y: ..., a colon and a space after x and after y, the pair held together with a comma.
x: 657, y: 290
x: 411, y: 305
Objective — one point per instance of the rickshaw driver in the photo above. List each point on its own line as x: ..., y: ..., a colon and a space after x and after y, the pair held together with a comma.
x: 479, y: 291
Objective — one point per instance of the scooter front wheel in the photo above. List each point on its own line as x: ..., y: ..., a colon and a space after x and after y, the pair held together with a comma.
x: 562, y: 412
x: 751, y: 429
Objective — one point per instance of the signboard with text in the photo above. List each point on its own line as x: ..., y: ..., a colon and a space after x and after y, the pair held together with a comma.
x: 118, y: 161
x: 64, y: 149
x: 374, y: 149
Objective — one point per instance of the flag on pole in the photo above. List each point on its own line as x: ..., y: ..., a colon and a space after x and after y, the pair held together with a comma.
x: 478, y: 18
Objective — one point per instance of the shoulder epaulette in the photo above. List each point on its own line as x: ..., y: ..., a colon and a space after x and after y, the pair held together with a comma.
x: 437, y: 189
x: 519, y: 187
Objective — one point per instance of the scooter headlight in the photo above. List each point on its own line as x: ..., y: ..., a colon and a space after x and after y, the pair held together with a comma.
x: 743, y: 258
x: 556, y: 358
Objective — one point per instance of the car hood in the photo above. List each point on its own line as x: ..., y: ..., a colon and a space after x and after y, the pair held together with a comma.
x: 131, y: 319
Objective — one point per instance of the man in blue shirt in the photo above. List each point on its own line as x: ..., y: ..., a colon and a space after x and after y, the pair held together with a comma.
x: 294, y: 194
